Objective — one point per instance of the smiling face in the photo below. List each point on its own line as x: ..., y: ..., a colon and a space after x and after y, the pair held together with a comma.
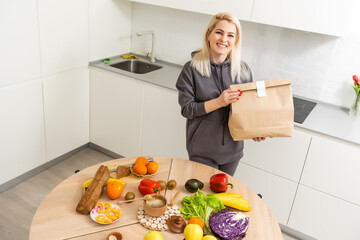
x: 221, y: 40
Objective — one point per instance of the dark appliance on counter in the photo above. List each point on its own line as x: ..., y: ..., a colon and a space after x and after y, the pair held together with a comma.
x: 302, y: 109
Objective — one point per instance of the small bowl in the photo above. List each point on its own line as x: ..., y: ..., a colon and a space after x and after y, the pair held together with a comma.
x: 117, y: 235
x: 155, y: 204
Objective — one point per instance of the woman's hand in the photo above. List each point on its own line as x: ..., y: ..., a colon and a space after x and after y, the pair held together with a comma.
x: 228, y: 96
x: 259, y: 139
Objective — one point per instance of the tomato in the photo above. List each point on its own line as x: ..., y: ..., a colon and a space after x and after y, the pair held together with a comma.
x: 198, y: 221
x: 114, y: 189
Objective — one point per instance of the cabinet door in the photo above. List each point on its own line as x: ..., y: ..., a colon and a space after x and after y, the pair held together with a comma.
x: 66, y: 109
x: 19, y: 45
x: 64, y: 28
x: 281, y: 156
x: 22, y: 134
x: 240, y: 8
x: 163, y: 3
x: 163, y: 125
x: 338, y: 164
x: 323, y: 216
x: 321, y: 16
x: 116, y: 112
x: 277, y: 192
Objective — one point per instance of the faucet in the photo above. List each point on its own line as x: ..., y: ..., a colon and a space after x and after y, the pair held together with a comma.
x: 152, y: 54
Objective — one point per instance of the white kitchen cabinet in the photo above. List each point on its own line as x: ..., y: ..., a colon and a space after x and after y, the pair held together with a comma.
x: 321, y: 16
x: 64, y: 37
x: 338, y: 164
x: 278, y: 193
x: 116, y: 106
x: 240, y: 8
x: 19, y: 44
x: 66, y: 109
x: 323, y: 216
x: 163, y: 131
x: 163, y: 3
x: 22, y: 137
x: 281, y: 156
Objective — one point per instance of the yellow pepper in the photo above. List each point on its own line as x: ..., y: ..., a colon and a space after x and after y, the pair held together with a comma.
x: 234, y: 200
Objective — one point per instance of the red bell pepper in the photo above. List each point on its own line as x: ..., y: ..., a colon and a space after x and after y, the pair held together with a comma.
x: 219, y: 183
x: 148, y: 186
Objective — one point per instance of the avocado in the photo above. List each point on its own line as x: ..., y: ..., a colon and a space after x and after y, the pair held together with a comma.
x: 192, y: 185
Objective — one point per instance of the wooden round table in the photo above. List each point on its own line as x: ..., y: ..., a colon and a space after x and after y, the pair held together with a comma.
x: 56, y: 217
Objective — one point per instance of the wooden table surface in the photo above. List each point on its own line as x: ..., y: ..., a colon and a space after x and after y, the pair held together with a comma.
x: 56, y: 217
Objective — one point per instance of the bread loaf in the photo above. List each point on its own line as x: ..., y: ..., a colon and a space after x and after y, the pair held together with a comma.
x: 92, y: 194
x: 122, y: 171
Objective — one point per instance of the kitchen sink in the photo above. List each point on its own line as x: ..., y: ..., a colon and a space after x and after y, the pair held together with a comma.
x: 136, y: 66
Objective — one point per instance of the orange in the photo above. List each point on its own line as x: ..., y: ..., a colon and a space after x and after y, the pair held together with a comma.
x: 114, y: 189
x: 198, y: 221
x: 141, y: 160
x: 140, y: 169
x: 152, y: 167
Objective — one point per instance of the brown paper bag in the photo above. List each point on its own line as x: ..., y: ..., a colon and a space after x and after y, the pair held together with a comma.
x: 265, y: 109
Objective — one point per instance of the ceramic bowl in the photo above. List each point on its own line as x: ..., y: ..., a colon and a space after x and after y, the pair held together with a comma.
x: 114, y: 236
x: 155, y: 204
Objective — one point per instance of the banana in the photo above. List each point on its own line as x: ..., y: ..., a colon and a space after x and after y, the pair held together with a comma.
x: 86, y: 185
x: 88, y: 182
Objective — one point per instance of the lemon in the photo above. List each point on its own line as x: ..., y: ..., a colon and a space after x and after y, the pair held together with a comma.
x: 193, y: 232
x: 153, y: 235
x: 209, y: 237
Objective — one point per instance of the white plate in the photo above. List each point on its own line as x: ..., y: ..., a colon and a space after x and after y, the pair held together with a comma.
x: 94, y: 213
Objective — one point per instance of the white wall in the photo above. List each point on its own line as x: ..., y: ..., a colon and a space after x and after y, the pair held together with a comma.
x: 46, y: 46
x: 320, y: 66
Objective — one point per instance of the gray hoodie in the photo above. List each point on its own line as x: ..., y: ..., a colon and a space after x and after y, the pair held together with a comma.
x: 207, y: 135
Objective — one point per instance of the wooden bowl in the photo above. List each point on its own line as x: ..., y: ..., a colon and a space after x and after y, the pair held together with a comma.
x: 155, y: 204
x: 111, y: 236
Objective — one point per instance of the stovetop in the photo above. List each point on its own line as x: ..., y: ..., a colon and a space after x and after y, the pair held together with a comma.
x: 302, y: 109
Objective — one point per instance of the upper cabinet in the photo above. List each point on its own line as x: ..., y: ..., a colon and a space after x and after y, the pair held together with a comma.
x: 321, y: 16
x: 240, y: 8
x: 163, y: 3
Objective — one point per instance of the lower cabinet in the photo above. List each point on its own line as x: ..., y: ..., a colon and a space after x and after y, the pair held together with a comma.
x: 131, y: 118
x: 323, y: 216
x: 333, y: 167
x: 163, y: 127
x: 277, y: 192
x: 273, y: 168
x: 310, y: 182
x: 66, y: 110
x: 284, y: 157
x: 22, y: 132
x: 116, y: 104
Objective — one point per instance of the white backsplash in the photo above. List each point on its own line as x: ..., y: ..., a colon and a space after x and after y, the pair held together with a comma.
x: 320, y: 66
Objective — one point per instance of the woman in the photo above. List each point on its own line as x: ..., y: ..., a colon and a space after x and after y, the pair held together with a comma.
x: 204, y: 95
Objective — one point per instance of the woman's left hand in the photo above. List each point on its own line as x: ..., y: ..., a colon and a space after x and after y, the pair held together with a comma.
x: 259, y: 139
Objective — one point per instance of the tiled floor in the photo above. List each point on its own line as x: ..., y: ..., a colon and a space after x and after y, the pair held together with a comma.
x: 22, y: 200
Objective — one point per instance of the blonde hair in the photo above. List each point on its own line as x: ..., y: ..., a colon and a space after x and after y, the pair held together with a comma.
x: 201, y: 59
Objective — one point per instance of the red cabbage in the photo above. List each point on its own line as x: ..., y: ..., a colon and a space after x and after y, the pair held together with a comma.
x: 229, y: 225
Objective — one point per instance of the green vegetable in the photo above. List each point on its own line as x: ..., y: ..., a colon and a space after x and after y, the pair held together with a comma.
x: 202, y: 206
x: 192, y: 185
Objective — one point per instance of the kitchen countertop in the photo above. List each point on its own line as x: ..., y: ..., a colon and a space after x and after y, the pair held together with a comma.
x: 326, y: 119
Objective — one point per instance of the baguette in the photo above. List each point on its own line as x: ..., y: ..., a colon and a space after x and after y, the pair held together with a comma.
x: 92, y: 194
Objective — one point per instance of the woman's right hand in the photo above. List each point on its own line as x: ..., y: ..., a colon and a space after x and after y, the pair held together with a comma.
x: 228, y: 96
